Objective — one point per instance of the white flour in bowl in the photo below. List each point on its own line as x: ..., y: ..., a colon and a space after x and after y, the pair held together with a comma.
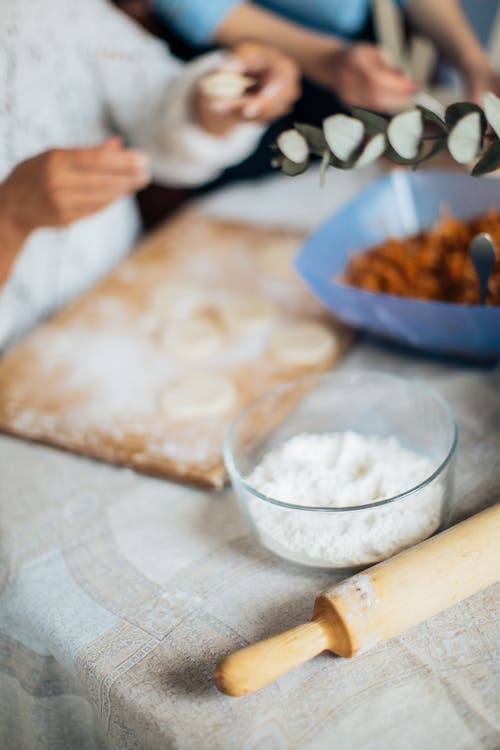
x: 342, y: 469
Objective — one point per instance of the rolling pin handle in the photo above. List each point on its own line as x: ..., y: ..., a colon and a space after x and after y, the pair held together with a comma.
x: 255, y: 666
x: 377, y: 603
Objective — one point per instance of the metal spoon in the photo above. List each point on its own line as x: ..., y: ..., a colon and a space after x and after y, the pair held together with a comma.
x: 483, y: 254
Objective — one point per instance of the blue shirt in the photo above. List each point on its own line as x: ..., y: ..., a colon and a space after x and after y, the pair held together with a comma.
x: 197, y: 20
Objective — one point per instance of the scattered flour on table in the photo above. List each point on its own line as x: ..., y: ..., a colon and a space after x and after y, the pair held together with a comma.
x: 339, y: 470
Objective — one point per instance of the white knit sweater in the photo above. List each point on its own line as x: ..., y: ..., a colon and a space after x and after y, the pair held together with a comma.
x: 73, y: 72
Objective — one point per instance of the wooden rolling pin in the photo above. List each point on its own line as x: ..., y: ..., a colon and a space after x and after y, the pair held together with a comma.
x: 378, y: 603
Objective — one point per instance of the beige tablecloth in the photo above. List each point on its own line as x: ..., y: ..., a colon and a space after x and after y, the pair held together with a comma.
x: 119, y: 593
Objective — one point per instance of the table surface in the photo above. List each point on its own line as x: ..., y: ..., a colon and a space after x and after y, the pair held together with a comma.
x: 119, y: 592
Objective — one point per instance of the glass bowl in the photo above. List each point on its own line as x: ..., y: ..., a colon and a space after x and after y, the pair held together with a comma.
x: 369, y: 403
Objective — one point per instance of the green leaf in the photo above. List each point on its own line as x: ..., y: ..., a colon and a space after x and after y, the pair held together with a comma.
x: 432, y: 117
x: 489, y: 161
x: 465, y: 139
x: 456, y: 111
x: 393, y: 155
x: 291, y: 168
x: 314, y: 137
x: 325, y: 163
x: 373, y: 121
x: 293, y: 145
x: 350, y: 162
x: 344, y: 135
x: 405, y: 133
x: 373, y: 149
x: 376, y: 127
x: 318, y: 145
x: 338, y: 163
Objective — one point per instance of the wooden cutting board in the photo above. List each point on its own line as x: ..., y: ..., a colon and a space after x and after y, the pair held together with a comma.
x: 200, y: 301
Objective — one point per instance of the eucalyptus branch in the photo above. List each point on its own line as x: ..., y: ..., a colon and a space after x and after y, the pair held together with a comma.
x: 349, y: 142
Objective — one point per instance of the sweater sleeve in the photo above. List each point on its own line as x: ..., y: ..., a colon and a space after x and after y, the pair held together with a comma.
x: 148, y: 95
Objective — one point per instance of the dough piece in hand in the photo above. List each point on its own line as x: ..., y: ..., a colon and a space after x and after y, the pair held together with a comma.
x: 193, y: 337
x: 226, y: 84
x: 304, y: 344
x: 275, y: 257
x: 199, y: 396
x: 248, y: 312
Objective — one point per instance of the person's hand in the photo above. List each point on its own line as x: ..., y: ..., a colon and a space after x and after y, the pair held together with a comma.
x: 480, y: 79
x: 362, y: 75
x: 276, y: 90
x: 61, y: 186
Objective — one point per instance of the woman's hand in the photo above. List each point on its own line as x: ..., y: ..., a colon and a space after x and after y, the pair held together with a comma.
x: 361, y: 75
x: 61, y: 186
x: 277, y: 88
x: 480, y: 79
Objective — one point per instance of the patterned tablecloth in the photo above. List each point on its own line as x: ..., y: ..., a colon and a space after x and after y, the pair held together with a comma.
x: 119, y: 593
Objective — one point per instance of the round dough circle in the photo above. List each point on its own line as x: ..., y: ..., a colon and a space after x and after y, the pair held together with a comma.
x: 192, y: 337
x: 198, y: 396
x: 171, y: 300
x: 248, y: 311
x: 165, y: 298
x: 304, y: 344
x: 275, y: 257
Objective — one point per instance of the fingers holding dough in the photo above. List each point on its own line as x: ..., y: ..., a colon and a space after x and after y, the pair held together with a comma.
x: 225, y: 84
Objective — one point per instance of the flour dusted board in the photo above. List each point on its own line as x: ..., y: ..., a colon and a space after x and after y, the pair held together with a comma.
x: 149, y: 367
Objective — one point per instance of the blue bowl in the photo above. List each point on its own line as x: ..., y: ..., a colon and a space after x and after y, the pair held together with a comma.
x: 396, y: 205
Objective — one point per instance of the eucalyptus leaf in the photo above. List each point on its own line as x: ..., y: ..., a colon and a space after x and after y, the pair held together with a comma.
x: 373, y: 149
x: 489, y: 161
x: 405, y: 132
x: 293, y: 146
x: 291, y: 168
x: 433, y: 118
x: 465, y: 138
x: 352, y: 161
x: 373, y: 121
x: 314, y: 137
x: 346, y: 164
x: 458, y: 110
x: 349, y: 163
x: 325, y: 163
x: 344, y: 136
x: 393, y: 155
x: 350, y: 142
